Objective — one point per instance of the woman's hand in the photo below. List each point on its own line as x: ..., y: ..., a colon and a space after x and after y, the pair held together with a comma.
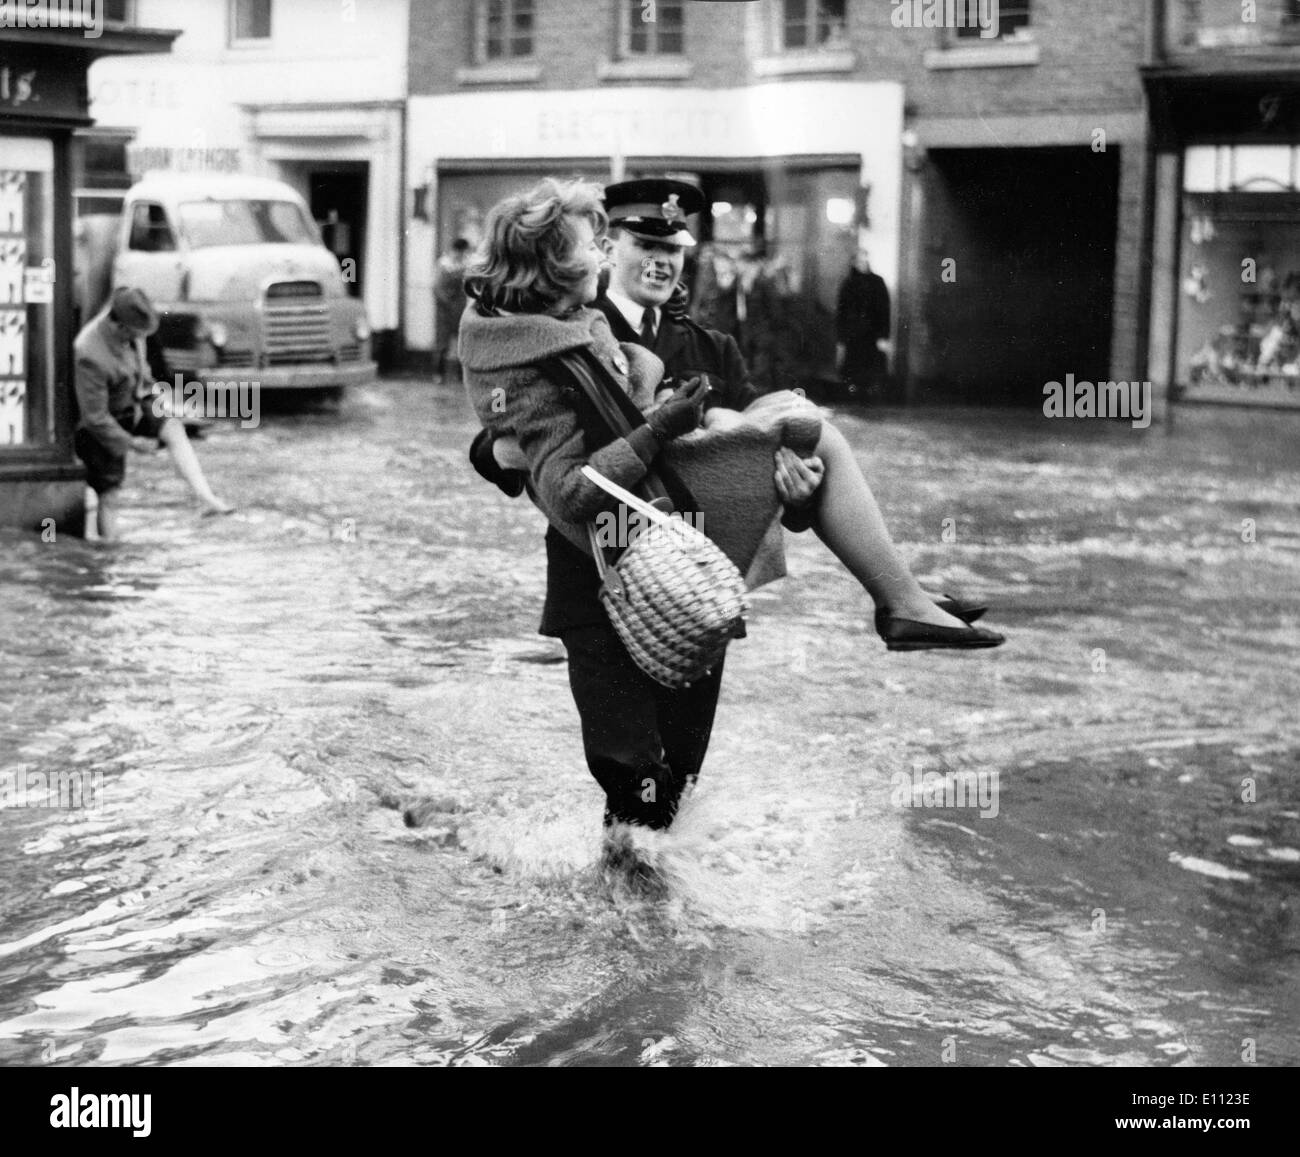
x: 797, y: 478
x: 682, y: 412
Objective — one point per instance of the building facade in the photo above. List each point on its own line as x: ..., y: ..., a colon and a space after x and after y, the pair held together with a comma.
x: 311, y: 92
x: 502, y: 94
x: 996, y: 176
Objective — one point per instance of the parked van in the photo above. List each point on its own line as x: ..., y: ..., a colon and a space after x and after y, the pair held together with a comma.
x: 238, y: 272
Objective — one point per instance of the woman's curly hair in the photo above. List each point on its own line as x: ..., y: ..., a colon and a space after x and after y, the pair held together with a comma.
x: 529, y: 259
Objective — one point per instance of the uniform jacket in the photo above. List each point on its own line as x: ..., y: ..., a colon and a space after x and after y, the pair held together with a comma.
x: 686, y: 347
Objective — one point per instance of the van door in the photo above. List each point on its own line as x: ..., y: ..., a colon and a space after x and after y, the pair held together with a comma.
x: 150, y: 258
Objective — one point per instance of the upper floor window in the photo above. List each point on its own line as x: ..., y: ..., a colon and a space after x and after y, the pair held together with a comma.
x: 119, y: 11
x: 1012, y: 15
x: 250, y: 20
x: 1291, y: 12
x: 653, y: 27
x: 504, y: 30
x: 814, y: 24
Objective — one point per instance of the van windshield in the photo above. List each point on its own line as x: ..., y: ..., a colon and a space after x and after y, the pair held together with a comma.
x: 207, y: 223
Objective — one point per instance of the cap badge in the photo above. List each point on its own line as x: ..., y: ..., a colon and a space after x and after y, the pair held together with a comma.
x: 670, y: 209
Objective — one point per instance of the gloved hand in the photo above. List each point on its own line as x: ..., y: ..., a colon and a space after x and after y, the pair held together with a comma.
x: 481, y: 455
x: 682, y: 412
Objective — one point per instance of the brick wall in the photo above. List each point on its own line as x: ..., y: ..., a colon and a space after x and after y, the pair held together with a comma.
x: 1085, y: 77
x: 1089, y: 52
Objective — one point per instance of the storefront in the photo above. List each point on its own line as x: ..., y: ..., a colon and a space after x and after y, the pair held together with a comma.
x: 42, y: 100
x: 794, y: 175
x: 1226, y: 301
x: 1238, y: 320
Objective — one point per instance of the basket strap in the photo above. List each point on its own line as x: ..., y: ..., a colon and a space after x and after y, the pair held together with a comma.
x: 598, y: 551
x: 626, y: 496
x: 619, y: 416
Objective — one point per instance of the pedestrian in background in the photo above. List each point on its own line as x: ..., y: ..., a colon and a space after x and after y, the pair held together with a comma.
x: 119, y: 412
x: 861, y: 324
x: 449, y: 303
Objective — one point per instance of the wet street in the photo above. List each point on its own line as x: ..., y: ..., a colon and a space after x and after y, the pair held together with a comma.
x: 265, y: 694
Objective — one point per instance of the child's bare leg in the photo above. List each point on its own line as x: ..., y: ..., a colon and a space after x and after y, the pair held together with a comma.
x: 106, y: 518
x: 173, y: 436
x: 850, y: 523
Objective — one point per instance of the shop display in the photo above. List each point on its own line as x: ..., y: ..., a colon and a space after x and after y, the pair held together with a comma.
x: 13, y: 307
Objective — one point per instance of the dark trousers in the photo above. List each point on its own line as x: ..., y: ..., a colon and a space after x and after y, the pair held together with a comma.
x: 866, y: 367
x: 644, y: 742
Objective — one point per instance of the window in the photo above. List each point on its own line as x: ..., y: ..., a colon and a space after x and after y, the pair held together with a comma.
x: 250, y: 20
x: 505, y: 30
x: 1012, y: 15
x: 1291, y: 12
x: 119, y: 11
x: 150, y: 232
x: 208, y: 223
x: 653, y: 27
x: 814, y: 24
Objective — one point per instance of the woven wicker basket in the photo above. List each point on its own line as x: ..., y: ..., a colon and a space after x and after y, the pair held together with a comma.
x: 673, y: 597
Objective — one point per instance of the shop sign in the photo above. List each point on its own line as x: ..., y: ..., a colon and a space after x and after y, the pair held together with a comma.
x: 51, y: 86
x: 141, y: 159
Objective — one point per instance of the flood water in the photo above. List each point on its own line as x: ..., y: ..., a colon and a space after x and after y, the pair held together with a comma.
x: 264, y: 694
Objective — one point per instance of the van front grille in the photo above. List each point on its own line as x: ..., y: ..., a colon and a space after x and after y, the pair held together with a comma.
x: 297, y: 324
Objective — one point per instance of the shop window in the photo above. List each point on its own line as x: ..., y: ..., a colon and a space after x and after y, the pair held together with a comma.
x: 814, y: 24
x: 150, y: 232
x: 1239, y: 276
x: 27, y: 213
x: 653, y: 28
x: 250, y: 20
x: 1012, y: 17
x: 504, y: 30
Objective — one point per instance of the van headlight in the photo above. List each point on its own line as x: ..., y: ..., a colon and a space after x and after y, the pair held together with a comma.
x: 212, y: 332
x: 361, y: 329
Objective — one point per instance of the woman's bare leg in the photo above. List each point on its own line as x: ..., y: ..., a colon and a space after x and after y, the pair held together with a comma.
x: 850, y: 523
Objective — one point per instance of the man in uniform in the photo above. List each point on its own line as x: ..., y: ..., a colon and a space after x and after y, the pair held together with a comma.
x: 644, y: 743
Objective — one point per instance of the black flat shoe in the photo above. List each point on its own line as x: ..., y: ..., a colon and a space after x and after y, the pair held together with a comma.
x: 967, y: 612
x: 909, y: 635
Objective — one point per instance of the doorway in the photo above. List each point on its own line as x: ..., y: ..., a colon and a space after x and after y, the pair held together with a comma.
x: 338, y: 197
x: 1017, y: 273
